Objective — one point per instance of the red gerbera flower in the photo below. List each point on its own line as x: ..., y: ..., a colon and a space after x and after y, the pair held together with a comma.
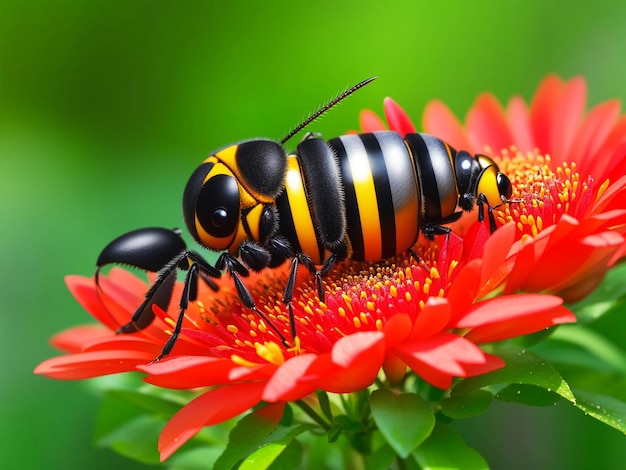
x: 392, y: 316
x: 567, y: 169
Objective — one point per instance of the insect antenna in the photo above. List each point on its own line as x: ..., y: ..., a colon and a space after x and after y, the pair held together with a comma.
x: 325, y: 108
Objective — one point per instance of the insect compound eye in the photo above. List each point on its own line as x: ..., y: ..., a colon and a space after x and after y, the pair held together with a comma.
x: 505, y: 187
x: 217, y: 207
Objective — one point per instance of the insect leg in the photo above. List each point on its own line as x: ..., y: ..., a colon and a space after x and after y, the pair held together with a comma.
x: 482, y: 202
x: 235, y: 269
x: 190, y: 292
x: 160, y: 293
x: 291, y: 281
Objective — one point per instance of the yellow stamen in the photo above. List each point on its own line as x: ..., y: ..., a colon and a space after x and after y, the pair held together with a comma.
x: 242, y: 362
x: 271, y: 352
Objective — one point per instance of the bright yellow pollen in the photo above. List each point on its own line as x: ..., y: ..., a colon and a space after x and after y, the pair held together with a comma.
x: 232, y: 329
x: 242, y: 362
x: 271, y: 352
x: 379, y: 325
x: 602, y: 189
x: 296, y: 349
x: 393, y: 291
x: 542, y: 192
x: 363, y: 318
x: 452, y: 267
x: 356, y: 322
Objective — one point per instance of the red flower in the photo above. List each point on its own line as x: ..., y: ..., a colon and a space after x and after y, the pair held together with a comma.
x: 567, y: 168
x: 389, y: 316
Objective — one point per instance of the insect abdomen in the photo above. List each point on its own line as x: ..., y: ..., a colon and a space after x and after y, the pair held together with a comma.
x: 390, y: 188
x: 381, y: 190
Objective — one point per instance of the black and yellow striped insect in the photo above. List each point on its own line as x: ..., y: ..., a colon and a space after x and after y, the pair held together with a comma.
x: 365, y: 197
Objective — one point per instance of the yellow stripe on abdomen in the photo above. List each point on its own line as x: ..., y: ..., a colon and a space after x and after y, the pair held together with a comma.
x: 368, y: 207
x: 299, y: 208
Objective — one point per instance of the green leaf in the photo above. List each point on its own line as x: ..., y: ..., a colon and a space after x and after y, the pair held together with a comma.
x: 607, y: 297
x: 594, y: 380
x: 197, y: 458
x: 150, y: 400
x: 466, y: 405
x: 277, y: 443
x: 348, y: 424
x: 334, y: 432
x: 287, y: 419
x: 381, y: 459
x: 522, y: 367
x: 445, y: 450
x: 405, y: 420
x: 322, y: 398
x: 249, y: 434
x: 136, y: 439
x: 528, y: 395
x: 130, y: 422
x: 609, y: 355
x: 606, y: 409
x: 289, y: 458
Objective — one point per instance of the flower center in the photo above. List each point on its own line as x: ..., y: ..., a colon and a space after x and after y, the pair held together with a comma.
x: 358, y: 297
x: 544, y: 192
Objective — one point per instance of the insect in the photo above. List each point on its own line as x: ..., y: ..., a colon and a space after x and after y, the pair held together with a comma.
x: 365, y: 197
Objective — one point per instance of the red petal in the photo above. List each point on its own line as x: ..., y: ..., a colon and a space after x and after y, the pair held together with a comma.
x: 74, y: 339
x: 521, y: 326
x: 370, y: 122
x: 431, y: 319
x: 507, y: 308
x: 463, y: 291
x: 497, y: 248
x: 515, y: 315
x: 84, y: 291
x: 492, y: 363
x: 438, y: 358
x: 394, y: 367
x: 593, y: 133
x: 524, y: 262
x: 613, y: 152
x: 397, y: 329
x: 486, y: 125
x: 92, y: 364
x: 571, y: 259
x: 397, y: 118
x: 440, y: 121
x: 353, y: 364
x: 286, y: 384
x: 214, y: 406
x: 184, y: 372
x: 542, y: 109
x: 570, y: 113
x: 519, y: 125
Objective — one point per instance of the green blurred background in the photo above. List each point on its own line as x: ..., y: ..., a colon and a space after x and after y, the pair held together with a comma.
x: 107, y: 106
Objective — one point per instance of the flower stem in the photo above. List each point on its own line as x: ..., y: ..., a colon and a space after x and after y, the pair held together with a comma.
x: 312, y: 414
